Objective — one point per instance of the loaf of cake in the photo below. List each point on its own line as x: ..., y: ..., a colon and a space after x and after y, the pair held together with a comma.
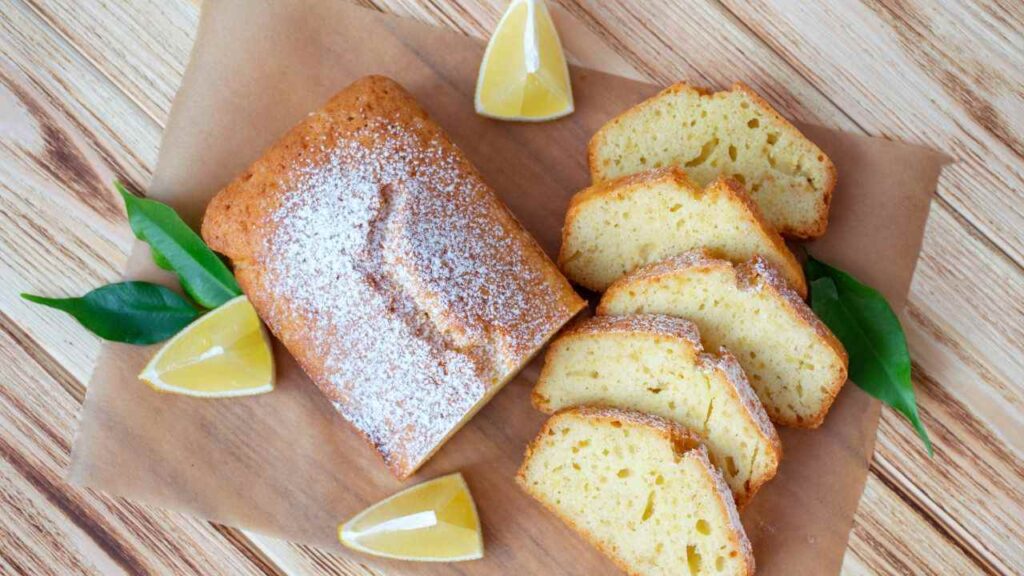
x: 656, y: 364
x: 733, y: 133
x: 794, y: 363
x: 641, y: 489
x: 394, y: 275
x: 617, y: 226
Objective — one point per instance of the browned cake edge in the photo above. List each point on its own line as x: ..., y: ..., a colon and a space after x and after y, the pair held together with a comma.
x: 723, y: 364
x: 684, y: 443
x: 814, y: 230
x: 750, y: 275
x: 725, y: 186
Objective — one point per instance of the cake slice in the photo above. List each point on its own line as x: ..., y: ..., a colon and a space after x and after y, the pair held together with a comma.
x: 641, y: 489
x: 615, y: 227
x: 656, y: 364
x: 395, y: 276
x: 794, y: 363
x: 733, y: 133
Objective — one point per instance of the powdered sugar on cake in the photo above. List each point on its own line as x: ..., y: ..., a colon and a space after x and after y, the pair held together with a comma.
x: 405, y: 268
x: 730, y: 367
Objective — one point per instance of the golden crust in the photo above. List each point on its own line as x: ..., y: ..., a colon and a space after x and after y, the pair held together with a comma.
x: 754, y: 274
x: 685, y: 445
x: 724, y: 364
x: 757, y: 272
x: 727, y: 363
x: 813, y: 230
x: 733, y: 190
x: 791, y: 271
x: 817, y: 229
x: 398, y: 280
x: 658, y: 325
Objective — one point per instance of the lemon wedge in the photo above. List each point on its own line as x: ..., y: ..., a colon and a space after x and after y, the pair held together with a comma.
x: 524, y: 75
x: 435, y: 521
x: 224, y: 353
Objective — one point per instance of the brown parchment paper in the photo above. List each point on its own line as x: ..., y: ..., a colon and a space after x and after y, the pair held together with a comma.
x: 286, y: 464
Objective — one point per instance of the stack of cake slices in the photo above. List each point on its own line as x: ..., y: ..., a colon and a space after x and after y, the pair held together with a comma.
x: 663, y: 403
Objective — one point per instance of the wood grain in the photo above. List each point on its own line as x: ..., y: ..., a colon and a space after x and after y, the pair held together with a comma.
x: 90, y: 85
x: 922, y: 77
x: 880, y: 537
x: 50, y: 527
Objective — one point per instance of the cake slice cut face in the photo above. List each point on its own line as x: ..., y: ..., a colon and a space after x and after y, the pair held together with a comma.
x: 393, y: 274
x: 613, y: 228
x: 793, y: 361
x: 641, y: 489
x: 733, y: 133
x: 656, y: 364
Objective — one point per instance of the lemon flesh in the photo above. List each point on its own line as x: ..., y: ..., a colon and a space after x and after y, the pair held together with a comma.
x: 224, y: 353
x: 435, y: 521
x: 524, y: 75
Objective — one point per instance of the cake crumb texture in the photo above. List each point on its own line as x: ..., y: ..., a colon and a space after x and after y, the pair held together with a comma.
x: 733, y: 133
x: 657, y: 364
x: 641, y: 489
x: 614, y: 227
x: 794, y: 363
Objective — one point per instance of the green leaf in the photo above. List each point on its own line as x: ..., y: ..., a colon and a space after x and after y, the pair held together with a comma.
x: 132, y: 312
x: 866, y: 325
x: 176, y: 247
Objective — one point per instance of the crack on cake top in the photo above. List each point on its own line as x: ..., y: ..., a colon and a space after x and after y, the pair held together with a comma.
x: 379, y: 246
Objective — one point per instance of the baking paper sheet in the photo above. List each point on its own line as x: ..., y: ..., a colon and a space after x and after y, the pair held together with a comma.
x: 287, y: 465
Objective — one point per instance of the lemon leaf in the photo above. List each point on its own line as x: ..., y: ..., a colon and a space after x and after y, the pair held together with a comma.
x: 176, y: 247
x: 131, y: 312
x: 871, y: 333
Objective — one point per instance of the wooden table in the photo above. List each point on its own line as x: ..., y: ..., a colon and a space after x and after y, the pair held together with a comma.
x: 85, y: 88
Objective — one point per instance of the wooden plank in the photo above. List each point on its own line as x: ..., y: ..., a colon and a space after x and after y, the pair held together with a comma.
x: 880, y: 535
x: 61, y: 226
x: 295, y: 559
x: 51, y: 527
x: 147, y: 39
x: 59, y: 77
x: 808, y: 103
x: 944, y: 74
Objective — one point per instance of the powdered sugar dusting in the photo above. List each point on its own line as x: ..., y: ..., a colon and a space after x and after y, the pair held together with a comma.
x: 419, y: 290
x: 758, y: 274
x: 656, y: 324
x: 734, y: 374
x: 723, y: 362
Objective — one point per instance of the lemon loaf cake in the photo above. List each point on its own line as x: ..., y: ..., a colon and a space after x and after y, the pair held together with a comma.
x: 641, y: 489
x: 733, y: 133
x: 394, y: 275
x: 615, y: 227
x: 656, y: 364
x: 794, y: 363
